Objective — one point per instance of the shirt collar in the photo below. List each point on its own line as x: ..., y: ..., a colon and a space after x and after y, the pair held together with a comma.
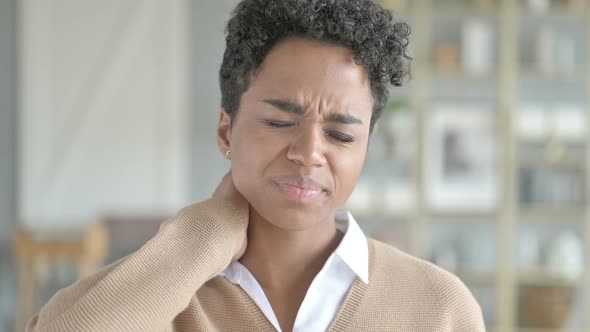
x: 353, y: 250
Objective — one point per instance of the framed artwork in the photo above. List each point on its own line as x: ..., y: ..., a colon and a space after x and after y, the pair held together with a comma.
x: 461, y: 158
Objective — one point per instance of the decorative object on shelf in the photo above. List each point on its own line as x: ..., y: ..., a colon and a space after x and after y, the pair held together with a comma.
x: 389, y: 164
x: 551, y: 186
x: 566, y: 125
x: 477, y: 47
x: 389, y: 141
x: 546, y: 306
x: 556, y: 50
x: 539, y: 6
x: 555, y: 150
x: 569, y: 122
x: 553, y: 136
x: 460, y: 158
x: 397, y: 128
x: 529, y: 251
x: 560, y: 121
x: 483, y: 4
x: 576, y: 4
x: 446, y: 58
x: 532, y: 123
x: 565, y: 256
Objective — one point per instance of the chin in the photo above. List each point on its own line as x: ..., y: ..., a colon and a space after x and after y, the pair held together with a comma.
x: 293, y: 218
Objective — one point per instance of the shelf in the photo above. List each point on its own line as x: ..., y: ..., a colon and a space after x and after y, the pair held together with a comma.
x: 529, y: 74
x: 556, y: 13
x: 538, y: 277
x: 476, y: 278
x: 569, y: 162
x: 462, y: 216
x: 564, y: 163
x: 551, y: 214
x: 461, y: 14
x: 539, y: 329
x: 374, y: 216
x: 457, y: 75
x: 555, y: 169
x: 466, y: 216
x: 397, y: 6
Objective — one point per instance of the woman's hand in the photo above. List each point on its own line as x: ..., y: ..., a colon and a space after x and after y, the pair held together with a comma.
x: 228, y: 191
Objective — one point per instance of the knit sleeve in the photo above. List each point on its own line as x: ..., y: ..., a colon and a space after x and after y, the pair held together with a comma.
x: 461, y: 310
x: 147, y: 289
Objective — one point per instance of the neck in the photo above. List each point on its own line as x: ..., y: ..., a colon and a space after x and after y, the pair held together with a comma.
x: 280, y: 258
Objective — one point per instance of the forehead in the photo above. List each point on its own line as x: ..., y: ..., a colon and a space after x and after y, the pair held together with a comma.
x: 308, y: 71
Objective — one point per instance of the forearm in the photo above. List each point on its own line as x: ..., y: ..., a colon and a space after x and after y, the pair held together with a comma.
x: 147, y: 289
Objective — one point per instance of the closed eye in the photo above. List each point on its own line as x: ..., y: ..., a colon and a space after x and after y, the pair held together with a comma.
x: 344, y: 138
x: 278, y: 124
x: 341, y: 137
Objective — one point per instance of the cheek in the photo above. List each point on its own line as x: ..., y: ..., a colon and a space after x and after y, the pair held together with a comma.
x: 243, y: 168
x: 240, y: 170
x: 251, y: 157
x: 346, y: 174
x: 246, y: 178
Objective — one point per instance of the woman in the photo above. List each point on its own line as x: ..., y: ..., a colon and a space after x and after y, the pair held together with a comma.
x: 303, y: 83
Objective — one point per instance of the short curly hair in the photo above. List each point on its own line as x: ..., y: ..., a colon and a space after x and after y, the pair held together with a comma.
x: 256, y: 26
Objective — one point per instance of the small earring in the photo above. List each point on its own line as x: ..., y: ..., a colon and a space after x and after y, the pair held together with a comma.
x: 227, y: 152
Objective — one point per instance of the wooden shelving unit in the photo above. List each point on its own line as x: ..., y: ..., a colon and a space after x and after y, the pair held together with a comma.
x: 510, y: 215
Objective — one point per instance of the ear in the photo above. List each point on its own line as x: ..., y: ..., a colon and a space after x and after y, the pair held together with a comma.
x: 224, y: 132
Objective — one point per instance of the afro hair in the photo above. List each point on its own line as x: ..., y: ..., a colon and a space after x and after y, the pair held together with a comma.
x: 378, y: 43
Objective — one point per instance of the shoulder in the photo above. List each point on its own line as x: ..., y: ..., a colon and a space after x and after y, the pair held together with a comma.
x: 392, y: 267
x: 386, y: 258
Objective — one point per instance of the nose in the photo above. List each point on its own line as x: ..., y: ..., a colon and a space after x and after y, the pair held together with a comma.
x: 307, y: 148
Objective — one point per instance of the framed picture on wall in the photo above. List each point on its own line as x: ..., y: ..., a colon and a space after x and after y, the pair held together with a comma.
x: 461, y: 157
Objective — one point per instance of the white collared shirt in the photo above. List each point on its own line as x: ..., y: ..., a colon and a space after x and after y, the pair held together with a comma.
x: 329, y: 287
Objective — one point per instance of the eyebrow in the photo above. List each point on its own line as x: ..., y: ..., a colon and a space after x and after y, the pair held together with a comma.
x: 293, y: 108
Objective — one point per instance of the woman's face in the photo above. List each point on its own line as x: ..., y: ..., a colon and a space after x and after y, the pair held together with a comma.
x: 299, y: 140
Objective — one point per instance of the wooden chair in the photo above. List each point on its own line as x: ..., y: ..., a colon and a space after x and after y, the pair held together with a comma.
x: 86, y: 247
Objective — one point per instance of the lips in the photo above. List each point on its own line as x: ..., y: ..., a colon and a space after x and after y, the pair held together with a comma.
x: 299, y: 189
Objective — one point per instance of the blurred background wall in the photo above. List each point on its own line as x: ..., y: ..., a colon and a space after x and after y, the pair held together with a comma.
x: 103, y: 122
x: 8, y: 117
x: 108, y: 114
x: 8, y: 150
x: 207, y: 43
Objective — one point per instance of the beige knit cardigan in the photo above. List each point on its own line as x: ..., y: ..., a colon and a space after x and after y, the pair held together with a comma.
x: 171, y: 284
